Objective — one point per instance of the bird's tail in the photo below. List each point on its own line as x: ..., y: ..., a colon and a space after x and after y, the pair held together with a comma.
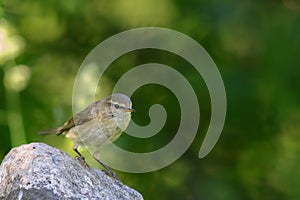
x: 57, y: 131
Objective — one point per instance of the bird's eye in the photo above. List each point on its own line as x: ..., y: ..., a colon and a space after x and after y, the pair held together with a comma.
x: 117, y: 106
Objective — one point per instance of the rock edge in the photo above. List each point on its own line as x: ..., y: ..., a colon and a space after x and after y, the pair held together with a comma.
x: 39, y: 171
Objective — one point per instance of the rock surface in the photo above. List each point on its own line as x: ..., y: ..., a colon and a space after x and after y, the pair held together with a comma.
x: 38, y: 171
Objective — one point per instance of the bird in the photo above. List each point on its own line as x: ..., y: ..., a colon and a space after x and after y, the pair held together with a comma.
x: 100, y: 123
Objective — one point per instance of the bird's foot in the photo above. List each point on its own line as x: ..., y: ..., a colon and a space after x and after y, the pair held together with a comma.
x: 82, y: 161
x: 111, y: 174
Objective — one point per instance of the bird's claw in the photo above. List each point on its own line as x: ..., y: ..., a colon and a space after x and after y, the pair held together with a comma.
x: 82, y: 161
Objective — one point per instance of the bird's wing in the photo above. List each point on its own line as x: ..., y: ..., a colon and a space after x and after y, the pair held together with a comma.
x: 89, y: 113
x: 67, y: 126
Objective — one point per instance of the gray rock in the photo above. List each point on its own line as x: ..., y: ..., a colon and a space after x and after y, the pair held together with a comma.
x: 38, y: 171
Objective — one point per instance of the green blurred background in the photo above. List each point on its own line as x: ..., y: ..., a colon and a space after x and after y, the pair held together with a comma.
x: 255, y: 45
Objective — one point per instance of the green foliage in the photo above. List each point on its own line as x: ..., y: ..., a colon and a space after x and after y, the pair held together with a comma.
x: 254, y: 43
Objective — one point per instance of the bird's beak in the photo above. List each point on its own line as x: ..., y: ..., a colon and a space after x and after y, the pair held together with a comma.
x: 130, y: 110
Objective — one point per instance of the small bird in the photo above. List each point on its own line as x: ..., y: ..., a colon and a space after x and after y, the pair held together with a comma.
x: 100, y: 123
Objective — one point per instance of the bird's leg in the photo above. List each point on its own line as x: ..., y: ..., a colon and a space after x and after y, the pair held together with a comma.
x: 108, y: 171
x: 81, y: 159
